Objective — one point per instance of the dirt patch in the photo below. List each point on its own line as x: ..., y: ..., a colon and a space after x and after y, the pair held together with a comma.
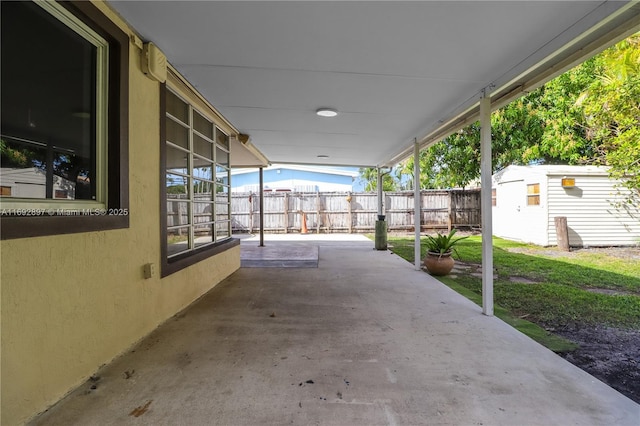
x: 631, y: 253
x: 522, y: 280
x: 609, y: 291
x: 609, y: 354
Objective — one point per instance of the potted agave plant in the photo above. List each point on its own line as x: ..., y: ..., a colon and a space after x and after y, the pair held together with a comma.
x: 439, y: 250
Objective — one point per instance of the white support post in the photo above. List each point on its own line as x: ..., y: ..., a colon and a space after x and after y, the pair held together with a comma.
x: 380, y: 194
x: 485, y: 204
x: 417, y: 203
x: 261, y: 174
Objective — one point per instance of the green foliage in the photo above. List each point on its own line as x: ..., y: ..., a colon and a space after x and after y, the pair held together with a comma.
x: 176, y: 189
x: 588, y: 115
x: 611, y: 108
x: 13, y: 157
x: 452, y: 163
x: 369, y: 175
x: 442, y: 244
x: 67, y: 166
x: 561, y: 288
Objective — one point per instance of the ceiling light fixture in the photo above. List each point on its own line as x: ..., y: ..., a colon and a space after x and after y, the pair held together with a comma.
x: 327, y: 112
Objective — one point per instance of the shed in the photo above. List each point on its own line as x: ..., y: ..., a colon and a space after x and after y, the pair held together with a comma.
x: 526, y: 199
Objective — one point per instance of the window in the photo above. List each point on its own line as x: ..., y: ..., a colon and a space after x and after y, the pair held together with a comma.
x: 494, y: 197
x: 533, y: 194
x: 196, y: 180
x: 64, y: 125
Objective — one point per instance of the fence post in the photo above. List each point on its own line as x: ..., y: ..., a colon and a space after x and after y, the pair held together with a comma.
x: 350, y: 207
x: 318, y: 212
x: 450, y: 212
x: 562, y: 232
x: 251, y: 212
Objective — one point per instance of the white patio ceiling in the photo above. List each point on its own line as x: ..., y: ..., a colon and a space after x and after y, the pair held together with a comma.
x: 394, y: 70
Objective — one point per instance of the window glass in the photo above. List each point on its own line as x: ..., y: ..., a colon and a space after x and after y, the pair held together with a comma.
x: 177, y: 133
x: 202, y: 189
x: 178, y: 240
x: 197, y: 181
x: 176, y: 184
x: 52, y: 139
x: 202, y: 125
x: 177, y: 160
x: 223, y: 229
x: 203, y: 211
x: 222, y: 196
x: 63, y: 113
x: 202, y: 147
x: 204, y: 172
x: 222, y: 139
x: 222, y: 157
x: 533, y: 194
x: 177, y: 108
x: 177, y: 211
x: 204, y: 234
x: 222, y: 212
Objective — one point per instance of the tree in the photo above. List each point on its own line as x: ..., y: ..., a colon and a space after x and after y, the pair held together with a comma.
x: 449, y: 163
x: 588, y: 115
x: 369, y: 176
x: 611, y: 108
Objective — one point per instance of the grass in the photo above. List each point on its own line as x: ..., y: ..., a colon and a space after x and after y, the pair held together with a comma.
x: 560, y: 293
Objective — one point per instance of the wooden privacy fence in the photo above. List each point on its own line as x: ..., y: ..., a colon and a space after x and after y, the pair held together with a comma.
x: 353, y: 212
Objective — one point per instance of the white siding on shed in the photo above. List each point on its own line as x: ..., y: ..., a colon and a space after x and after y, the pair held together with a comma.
x: 592, y: 217
x: 512, y: 217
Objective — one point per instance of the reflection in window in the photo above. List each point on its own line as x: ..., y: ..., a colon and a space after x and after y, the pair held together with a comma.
x: 197, y: 170
x: 52, y: 140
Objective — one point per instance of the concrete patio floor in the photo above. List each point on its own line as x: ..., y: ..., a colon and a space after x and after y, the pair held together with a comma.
x: 363, y: 339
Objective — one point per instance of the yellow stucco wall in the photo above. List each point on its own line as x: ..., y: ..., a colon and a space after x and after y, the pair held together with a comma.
x: 71, y: 303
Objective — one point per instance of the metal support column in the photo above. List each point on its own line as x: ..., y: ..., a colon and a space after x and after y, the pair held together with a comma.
x: 417, y: 203
x: 261, y: 207
x: 485, y: 204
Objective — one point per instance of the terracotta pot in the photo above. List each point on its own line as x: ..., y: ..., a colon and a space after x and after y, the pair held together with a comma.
x: 439, y: 264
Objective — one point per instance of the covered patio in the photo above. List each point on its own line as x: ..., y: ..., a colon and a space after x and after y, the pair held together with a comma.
x: 363, y: 339
x: 357, y: 336
x: 370, y: 84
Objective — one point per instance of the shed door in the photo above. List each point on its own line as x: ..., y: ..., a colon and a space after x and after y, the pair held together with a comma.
x: 511, y: 202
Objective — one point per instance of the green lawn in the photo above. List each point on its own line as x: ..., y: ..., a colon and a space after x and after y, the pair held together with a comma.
x: 559, y: 294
